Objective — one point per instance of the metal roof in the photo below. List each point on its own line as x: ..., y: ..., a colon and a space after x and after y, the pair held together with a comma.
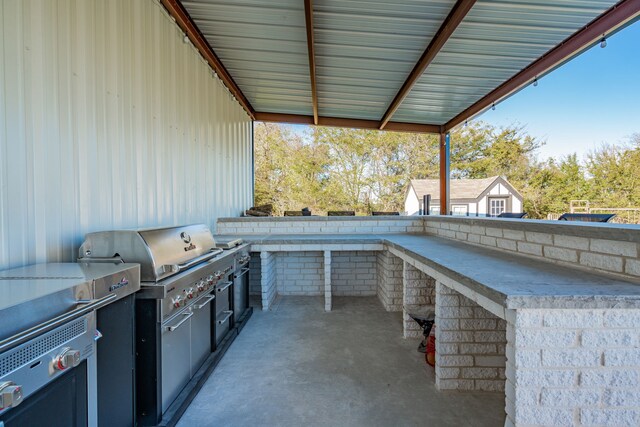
x: 494, y: 41
x: 371, y: 64
x: 365, y: 49
x: 263, y: 45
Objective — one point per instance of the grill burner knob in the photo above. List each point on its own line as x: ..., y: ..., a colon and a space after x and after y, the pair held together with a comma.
x: 178, y: 301
x: 202, y: 286
x: 10, y: 395
x: 218, y: 274
x: 68, y: 358
x: 190, y: 293
x: 210, y: 280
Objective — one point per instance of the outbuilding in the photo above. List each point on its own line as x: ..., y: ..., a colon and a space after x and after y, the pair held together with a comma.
x: 492, y: 196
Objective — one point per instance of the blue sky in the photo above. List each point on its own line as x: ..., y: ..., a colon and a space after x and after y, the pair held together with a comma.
x: 592, y: 99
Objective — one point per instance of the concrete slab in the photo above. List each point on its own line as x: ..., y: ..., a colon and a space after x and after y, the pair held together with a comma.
x: 299, y: 365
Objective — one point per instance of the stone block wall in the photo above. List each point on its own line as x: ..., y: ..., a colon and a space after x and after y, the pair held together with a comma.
x: 470, y: 344
x: 320, y: 225
x: 254, y: 274
x: 418, y: 290
x: 573, y: 367
x: 268, y: 279
x: 389, y: 271
x: 353, y: 273
x: 610, y: 248
x: 300, y: 273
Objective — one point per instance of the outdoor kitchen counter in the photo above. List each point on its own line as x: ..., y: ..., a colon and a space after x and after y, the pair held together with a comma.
x: 558, y: 340
x: 512, y: 281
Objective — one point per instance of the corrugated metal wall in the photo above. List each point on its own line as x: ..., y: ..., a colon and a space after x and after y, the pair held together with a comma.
x: 108, y: 120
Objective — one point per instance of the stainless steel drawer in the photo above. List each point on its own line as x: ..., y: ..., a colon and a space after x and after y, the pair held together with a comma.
x: 201, y: 330
x: 224, y: 315
x: 240, y: 293
x: 176, y: 350
x: 223, y: 291
x: 223, y: 323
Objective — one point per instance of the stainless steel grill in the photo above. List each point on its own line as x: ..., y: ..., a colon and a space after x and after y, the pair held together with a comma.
x: 161, y: 252
x: 187, y: 286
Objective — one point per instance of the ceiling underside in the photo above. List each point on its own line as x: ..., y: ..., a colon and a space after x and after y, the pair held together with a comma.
x: 365, y: 50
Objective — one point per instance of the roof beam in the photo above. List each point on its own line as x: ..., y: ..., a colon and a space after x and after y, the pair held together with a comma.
x: 184, y: 21
x: 348, y: 123
x: 308, y: 17
x: 451, y: 22
x: 623, y: 13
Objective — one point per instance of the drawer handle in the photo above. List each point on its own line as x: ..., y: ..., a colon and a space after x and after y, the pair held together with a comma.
x: 224, y: 286
x: 243, y: 271
x: 228, y: 314
x: 187, y: 316
x: 208, y: 298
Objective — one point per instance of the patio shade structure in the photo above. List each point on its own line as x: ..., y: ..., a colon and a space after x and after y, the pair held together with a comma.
x: 413, y: 65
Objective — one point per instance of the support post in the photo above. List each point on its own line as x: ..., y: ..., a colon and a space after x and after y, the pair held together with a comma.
x: 444, y: 173
x: 327, y: 280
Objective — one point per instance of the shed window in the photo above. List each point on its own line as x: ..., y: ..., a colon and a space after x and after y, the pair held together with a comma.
x: 496, y: 206
x: 460, y: 209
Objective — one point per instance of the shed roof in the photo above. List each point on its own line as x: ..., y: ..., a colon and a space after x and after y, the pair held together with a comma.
x: 393, y: 64
x: 466, y: 188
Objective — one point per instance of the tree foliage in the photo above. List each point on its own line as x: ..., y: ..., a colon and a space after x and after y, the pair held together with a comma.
x: 366, y: 170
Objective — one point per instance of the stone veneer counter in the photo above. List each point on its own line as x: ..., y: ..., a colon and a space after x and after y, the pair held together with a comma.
x: 513, y: 281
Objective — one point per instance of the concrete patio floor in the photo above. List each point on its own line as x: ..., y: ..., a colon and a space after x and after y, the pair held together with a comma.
x: 297, y: 365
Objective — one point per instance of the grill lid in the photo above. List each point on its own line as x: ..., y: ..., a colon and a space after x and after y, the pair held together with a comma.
x: 161, y: 252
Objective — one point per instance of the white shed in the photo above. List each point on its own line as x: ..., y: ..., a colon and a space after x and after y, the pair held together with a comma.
x: 492, y: 196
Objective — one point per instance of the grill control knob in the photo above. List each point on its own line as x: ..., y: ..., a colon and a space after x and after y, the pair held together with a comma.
x: 68, y: 358
x: 218, y: 274
x: 210, y: 280
x: 10, y: 395
x: 202, y: 286
x: 190, y: 293
x: 178, y: 301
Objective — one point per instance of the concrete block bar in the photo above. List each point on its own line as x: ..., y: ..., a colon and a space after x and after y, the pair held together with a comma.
x: 545, y: 312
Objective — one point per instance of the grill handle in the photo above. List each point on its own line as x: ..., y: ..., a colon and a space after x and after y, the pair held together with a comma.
x: 113, y: 259
x: 224, y: 286
x: 227, y: 315
x: 208, y: 298
x: 177, y: 268
x: 243, y: 271
x: 86, y: 307
x: 187, y: 316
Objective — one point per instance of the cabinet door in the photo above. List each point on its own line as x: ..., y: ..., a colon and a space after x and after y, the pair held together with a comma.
x: 116, y: 364
x: 61, y: 403
x: 201, y: 331
x: 176, y: 356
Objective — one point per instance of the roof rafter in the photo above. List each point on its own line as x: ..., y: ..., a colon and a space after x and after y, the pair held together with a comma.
x: 350, y: 123
x: 622, y: 13
x: 451, y: 22
x: 308, y: 16
x: 184, y: 21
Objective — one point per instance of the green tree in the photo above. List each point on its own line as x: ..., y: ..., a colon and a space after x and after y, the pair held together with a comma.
x: 365, y: 170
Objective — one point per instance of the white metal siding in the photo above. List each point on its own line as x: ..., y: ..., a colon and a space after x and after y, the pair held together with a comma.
x: 411, y: 203
x: 482, y: 206
x: 516, y: 204
x: 108, y: 120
